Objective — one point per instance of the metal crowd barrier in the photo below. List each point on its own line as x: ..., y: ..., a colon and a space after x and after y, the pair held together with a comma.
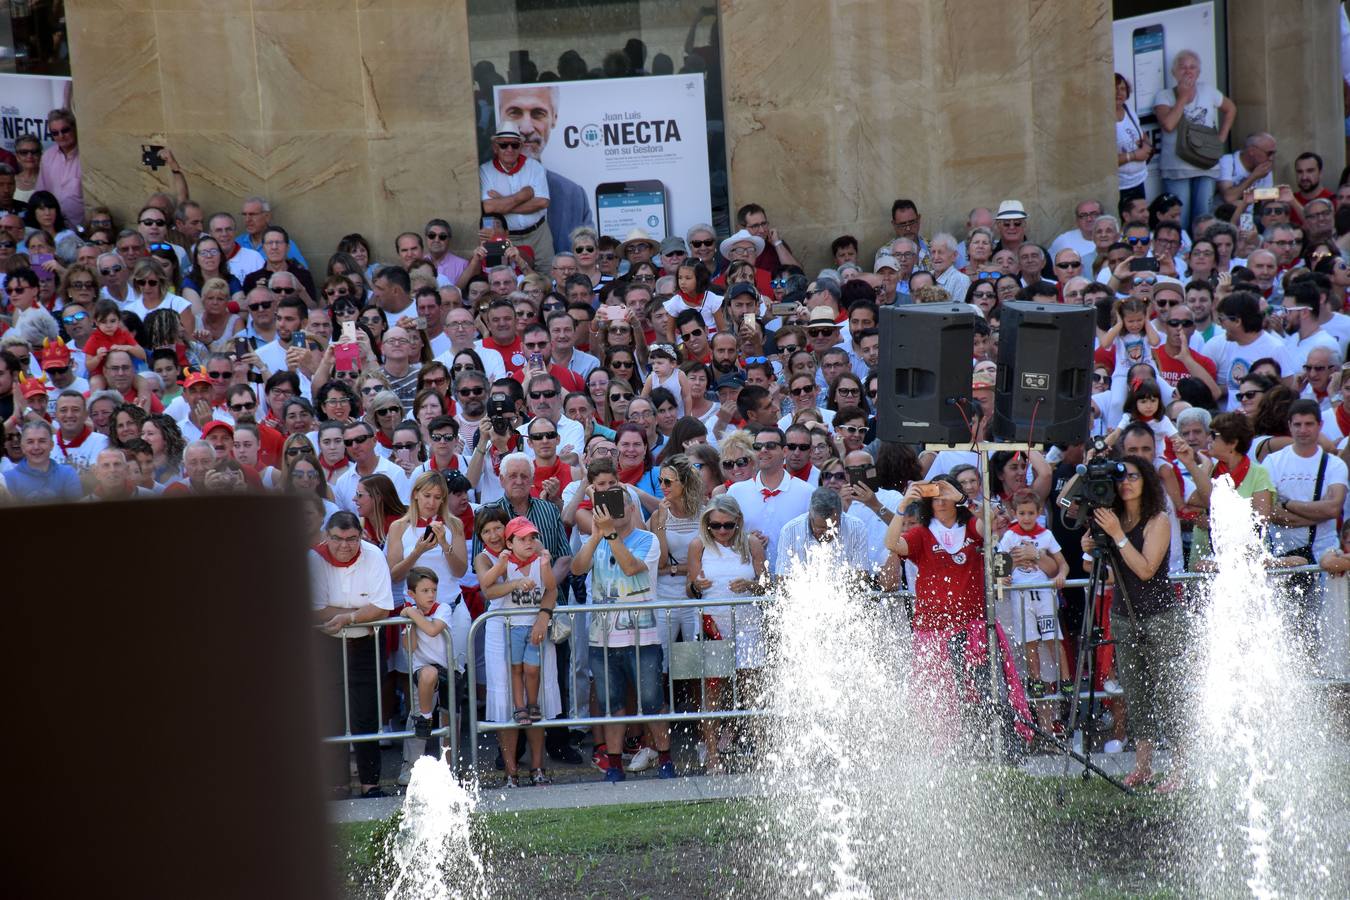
x: 700, y: 659
x: 383, y: 734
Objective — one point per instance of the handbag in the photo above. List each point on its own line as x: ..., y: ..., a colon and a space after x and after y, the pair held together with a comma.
x: 559, y: 629
x: 1198, y: 145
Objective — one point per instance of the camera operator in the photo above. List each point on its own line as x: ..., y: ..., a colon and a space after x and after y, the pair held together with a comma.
x: 497, y: 436
x: 1148, y: 623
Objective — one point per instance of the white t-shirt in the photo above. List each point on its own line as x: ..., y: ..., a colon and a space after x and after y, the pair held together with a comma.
x: 344, y: 489
x: 172, y: 301
x: 1233, y: 171
x: 1294, y: 477
x: 431, y: 649
x: 1234, y: 360
x: 351, y: 587
x: 768, y: 515
x: 1128, y: 133
x: 83, y: 456
x: 531, y: 175
x: 1297, y: 349
x: 1338, y: 326
x: 710, y: 305
x: 1072, y: 240
x: 1202, y: 110
x: 1044, y: 540
x: 245, y: 262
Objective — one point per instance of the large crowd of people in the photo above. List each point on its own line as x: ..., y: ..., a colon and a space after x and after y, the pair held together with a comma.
x: 564, y: 418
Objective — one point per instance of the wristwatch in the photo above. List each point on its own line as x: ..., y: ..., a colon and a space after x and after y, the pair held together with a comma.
x: 611, y: 536
x: 1120, y: 544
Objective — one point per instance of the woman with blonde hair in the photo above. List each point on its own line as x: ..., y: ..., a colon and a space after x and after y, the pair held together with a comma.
x: 675, y: 524
x: 738, y: 458
x: 217, y: 325
x: 429, y: 535
x: 725, y: 563
x: 150, y: 281
x: 586, y: 248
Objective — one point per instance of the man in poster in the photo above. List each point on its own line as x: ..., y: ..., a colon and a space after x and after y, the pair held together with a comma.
x: 533, y: 110
x: 516, y: 187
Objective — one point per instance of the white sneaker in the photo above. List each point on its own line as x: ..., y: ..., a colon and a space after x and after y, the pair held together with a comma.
x: 643, y: 759
x: 1113, y: 746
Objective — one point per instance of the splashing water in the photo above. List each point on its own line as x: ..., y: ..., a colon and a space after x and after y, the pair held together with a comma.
x: 1267, y: 786
x: 433, y: 849
x: 860, y: 801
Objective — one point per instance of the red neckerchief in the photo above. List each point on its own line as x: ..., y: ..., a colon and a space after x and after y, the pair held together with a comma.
x: 271, y: 421
x: 519, y: 563
x: 542, y: 474
x: 691, y: 302
x: 1237, y: 474
x: 369, y: 529
x: 520, y: 164
x: 1321, y: 395
x: 1342, y: 418
x: 328, y: 470
x: 466, y: 519
x: 454, y: 463
x: 804, y: 473
x: 633, y: 474
x: 425, y: 523
x: 327, y: 554
x: 768, y: 493
x: 1016, y: 528
x: 385, y: 442
x: 61, y: 440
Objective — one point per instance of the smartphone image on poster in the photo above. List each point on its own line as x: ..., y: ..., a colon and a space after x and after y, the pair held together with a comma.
x: 1148, y: 70
x: 621, y: 206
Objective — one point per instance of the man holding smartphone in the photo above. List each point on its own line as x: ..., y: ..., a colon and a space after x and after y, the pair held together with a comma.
x: 516, y: 186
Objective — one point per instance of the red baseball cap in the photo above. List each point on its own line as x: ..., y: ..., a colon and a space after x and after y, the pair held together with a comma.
x: 518, y: 526
x: 216, y: 425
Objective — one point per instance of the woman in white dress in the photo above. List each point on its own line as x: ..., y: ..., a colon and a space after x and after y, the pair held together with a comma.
x: 724, y: 563
x: 490, y: 528
x: 675, y: 524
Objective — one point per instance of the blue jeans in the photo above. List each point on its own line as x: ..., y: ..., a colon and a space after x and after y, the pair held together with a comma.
x: 623, y: 669
x: 522, y: 651
x: 1196, y: 196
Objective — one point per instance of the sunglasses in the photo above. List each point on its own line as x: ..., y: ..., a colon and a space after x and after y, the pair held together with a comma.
x: 444, y: 438
x: 1068, y: 265
x: 1130, y: 476
x: 834, y: 476
x: 81, y: 285
x: 803, y: 391
x: 389, y: 411
x: 242, y: 407
x: 737, y: 463
x: 266, y: 304
x: 152, y: 222
x: 145, y: 282
x: 851, y: 429
x: 692, y: 333
x: 352, y: 442
x: 721, y: 526
x: 618, y: 364
x: 702, y: 244
x: 370, y: 390
x: 583, y: 249
x: 283, y: 291
x: 544, y: 436
x: 74, y: 317
x: 295, y: 451
x: 799, y: 448
x: 438, y: 235
x: 1145, y: 279
x: 1249, y: 395
x: 767, y: 445
x: 1136, y: 241
x: 405, y: 446
x: 543, y: 395
x: 509, y: 145
x: 1100, y: 379
x: 470, y: 392
x: 820, y: 332
x: 1180, y: 323
x: 614, y: 397
x: 61, y: 132
x: 789, y: 349
x: 219, y: 376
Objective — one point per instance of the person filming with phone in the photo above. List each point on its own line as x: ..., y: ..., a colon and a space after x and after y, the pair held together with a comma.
x: 950, y: 637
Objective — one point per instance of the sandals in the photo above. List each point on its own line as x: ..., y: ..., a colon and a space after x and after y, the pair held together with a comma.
x: 1138, y: 778
x: 534, y: 713
x: 521, y: 716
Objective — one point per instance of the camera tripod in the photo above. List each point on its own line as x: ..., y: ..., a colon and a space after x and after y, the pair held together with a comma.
x: 1090, y: 637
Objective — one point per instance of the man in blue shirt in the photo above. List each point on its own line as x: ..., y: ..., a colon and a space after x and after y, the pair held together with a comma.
x: 257, y: 213
x: 38, y: 478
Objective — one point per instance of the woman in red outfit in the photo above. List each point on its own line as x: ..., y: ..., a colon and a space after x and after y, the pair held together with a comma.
x: 950, y: 642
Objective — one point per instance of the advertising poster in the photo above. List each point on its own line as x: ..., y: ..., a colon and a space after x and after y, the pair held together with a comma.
x: 622, y: 153
x: 1143, y: 48
x: 25, y: 101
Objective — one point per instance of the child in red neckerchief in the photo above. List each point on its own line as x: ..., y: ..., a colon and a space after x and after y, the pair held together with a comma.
x: 426, y: 644
x: 1031, y: 615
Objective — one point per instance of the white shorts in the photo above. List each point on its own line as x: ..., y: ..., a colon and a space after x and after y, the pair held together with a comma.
x: 1030, y: 616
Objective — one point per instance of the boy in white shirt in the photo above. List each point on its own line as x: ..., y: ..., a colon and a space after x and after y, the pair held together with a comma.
x: 1030, y: 615
x: 425, y: 643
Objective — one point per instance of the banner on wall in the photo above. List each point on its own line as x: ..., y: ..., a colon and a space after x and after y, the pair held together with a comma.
x: 622, y: 153
x: 25, y: 101
x: 1143, y: 48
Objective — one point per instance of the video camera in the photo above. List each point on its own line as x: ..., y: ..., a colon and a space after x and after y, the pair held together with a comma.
x: 499, y: 408
x: 1093, y: 485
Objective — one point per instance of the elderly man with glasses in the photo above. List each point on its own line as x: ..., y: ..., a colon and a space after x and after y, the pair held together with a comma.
x: 516, y: 186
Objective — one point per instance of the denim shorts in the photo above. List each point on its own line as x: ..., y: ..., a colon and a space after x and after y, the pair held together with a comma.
x: 623, y: 665
x: 522, y: 651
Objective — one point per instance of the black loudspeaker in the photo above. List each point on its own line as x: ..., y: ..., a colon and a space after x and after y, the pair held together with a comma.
x: 923, y: 392
x: 1044, y: 388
